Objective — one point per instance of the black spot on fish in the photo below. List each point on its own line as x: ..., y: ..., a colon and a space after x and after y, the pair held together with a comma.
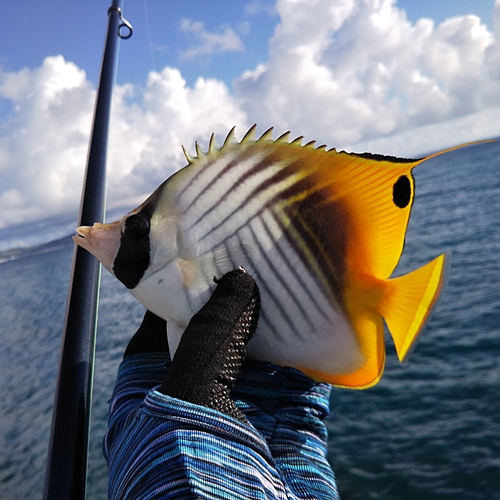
x: 401, y: 192
x: 133, y: 257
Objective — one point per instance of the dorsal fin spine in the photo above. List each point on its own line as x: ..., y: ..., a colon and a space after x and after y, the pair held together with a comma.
x: 213, y: 147
x: 230, y: 139
x: 199, y: 151
x: 250, y: 135
x: 189, y: 158
x: 267, y: 136
x: 283, y: 138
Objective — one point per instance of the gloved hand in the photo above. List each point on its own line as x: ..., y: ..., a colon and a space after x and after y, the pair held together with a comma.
x: 212, y: 348
x: 150, y: 337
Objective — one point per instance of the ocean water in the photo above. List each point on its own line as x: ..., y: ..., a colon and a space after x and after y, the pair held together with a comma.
x: 429, y: 430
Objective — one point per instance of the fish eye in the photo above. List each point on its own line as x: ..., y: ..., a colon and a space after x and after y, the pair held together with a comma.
x: 136, y: 227
x: 401, y: 192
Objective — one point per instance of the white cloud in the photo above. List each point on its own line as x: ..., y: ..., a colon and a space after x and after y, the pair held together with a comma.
x: 226, y: 40
x: 43, y: 147
x: 43, y: 143
x: 146, y: 136
x: 257, y: 7
x: 348, y: 73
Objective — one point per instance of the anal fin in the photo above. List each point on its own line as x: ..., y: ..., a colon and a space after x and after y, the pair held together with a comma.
x: 408, y: 303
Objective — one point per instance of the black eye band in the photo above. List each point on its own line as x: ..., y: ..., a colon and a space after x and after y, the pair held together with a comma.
x: 133, y: 258
x: 136, y: 227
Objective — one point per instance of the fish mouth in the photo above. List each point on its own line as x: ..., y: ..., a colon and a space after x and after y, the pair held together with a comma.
x: 101, y: 240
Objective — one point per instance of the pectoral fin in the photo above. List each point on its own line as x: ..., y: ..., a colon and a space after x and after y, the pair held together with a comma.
x: 174, y: 334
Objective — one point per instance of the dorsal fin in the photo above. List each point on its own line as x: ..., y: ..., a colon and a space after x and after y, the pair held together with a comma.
x: 267, y: 136
x: 249, y: 137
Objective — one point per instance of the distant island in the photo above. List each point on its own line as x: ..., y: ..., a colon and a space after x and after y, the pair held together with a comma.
x: 18, y: 253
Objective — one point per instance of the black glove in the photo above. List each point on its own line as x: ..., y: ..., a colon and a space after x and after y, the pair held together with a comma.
x: 151, y: 336
x: 213, y: 346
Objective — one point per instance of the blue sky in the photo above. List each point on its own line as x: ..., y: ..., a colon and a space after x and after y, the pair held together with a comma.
x: 32, y: 30
x: 397, y: 77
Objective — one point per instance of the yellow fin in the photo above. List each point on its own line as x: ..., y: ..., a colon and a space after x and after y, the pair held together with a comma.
x: 408, y: 302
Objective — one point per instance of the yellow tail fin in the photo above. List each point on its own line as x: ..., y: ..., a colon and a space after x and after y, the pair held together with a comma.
x: 409, y: 301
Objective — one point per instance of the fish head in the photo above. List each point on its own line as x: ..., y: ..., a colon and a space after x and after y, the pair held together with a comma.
x: 101, y: 240
x: 136, y: 246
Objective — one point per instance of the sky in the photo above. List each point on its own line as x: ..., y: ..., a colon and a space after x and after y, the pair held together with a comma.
x: 401, y: 77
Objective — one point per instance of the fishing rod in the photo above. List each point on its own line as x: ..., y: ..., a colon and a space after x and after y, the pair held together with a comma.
x: 66, y: 469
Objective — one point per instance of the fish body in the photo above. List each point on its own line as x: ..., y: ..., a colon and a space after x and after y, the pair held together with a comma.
x: 320, y: 231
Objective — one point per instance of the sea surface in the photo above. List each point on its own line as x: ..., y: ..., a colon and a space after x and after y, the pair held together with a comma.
x: 429, y: 430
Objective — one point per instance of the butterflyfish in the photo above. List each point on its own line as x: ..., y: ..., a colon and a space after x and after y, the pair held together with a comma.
x: 321, y: 232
